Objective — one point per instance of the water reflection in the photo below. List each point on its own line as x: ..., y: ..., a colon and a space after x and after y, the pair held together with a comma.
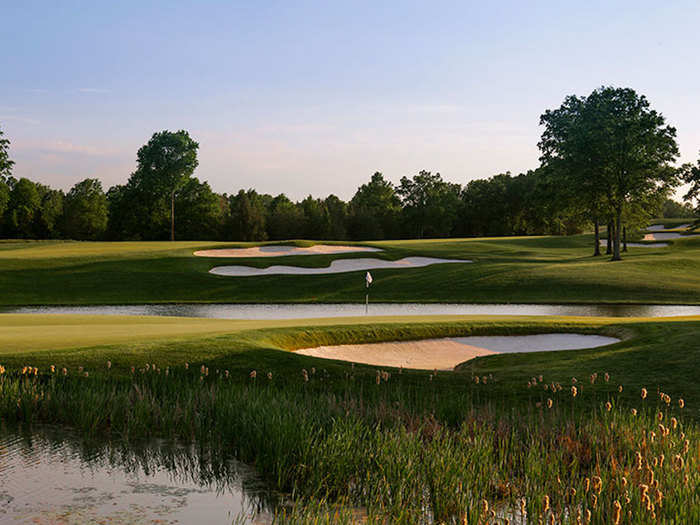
x: 50, y: 475
x: 300, y: 311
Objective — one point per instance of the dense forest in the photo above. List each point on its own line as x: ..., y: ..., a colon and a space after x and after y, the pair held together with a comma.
x: 580, y: 184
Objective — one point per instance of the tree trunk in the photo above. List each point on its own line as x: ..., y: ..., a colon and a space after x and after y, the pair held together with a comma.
x: 596, y: 249
x: 616, y: 244
x: 624, y: 238
x: 609, y: 243
x: 172, y: 215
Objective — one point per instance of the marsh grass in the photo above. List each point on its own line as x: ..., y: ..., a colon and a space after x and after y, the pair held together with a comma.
x: 401, y: 448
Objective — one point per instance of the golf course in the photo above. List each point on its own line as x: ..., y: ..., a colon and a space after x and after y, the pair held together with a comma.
x: 616, y: 426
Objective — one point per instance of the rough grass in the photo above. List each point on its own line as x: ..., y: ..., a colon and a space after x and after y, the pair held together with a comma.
x: 509, y: 269
x: 406, y: 446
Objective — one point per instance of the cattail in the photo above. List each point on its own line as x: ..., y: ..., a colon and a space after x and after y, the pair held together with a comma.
x: 253, y: 374
x: 476, y: 380
x: 674, y: 423
x: 660, y: 416
x: 572, y: 492
x: 549, y: 403
x: 681, y: 403
x: 53, y: 369
x: 552, y: 519
x: 661, y: 460
x: 80, y: 369
x: 133, y: 369
x: 634, y: 411
x: 608, y: 406
x: 201, y: 370
x: 573, y: 380
x: 586, y: 485
x: 686, y: 446
x: 546, y: 503
x: 597, y: 484
x: 187, y: 366
x: 588, y: 516
x: 594, y: 501
x: 638, y: 459
x: 593, y: 378
x: 617, y: 509
x: 619, y: 389
x: 624, y: 482
x: 269, y: 375
x: 523, y: 506
x: 109, y: 365
x: 64, y: 371
x: 305, y: 375
x: 86, y: 374
x: 483, y: 379
x: 484, y: 506
x: 541, y: 378
x: 574, y: 391
x: 644, y: 393
x: 226, y: 373
x: 379, y: 379
x: 607, y: 377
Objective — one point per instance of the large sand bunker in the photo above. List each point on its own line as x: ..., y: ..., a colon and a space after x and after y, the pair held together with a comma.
x: 445, y: 354
x: 281, y: 251
x: 337, y: 266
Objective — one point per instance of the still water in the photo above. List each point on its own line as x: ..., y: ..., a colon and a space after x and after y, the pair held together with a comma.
x: 301, y: 311
x: 49, y: 475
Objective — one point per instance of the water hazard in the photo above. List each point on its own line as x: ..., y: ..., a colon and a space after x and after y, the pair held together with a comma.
x: 302, y: 311
x: 49, y: 476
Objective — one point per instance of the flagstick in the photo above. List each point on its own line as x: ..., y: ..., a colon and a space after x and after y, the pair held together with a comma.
x: 367, y: 301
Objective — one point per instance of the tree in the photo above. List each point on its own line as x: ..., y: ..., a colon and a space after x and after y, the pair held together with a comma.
x: 85, y: 211
x: 337, y: 217
x: 164, y: 165
x: 691, y: 175
x: 614, y: 147
x: 286, y: 219
x: 23, y: 208
x: 317, y: 223
x: 429, y: 204
x: 5, y: 162
x: 247, y: 216
x: 49, y: 220
x: 374, y: 210
x: 201, y: 212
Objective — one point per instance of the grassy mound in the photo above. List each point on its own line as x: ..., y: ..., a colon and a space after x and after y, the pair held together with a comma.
x: 512, y: 269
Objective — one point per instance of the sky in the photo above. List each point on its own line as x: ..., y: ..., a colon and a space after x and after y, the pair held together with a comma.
x: 313, y: 97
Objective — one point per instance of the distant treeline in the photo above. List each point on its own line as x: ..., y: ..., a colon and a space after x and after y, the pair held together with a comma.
x: 607, y: 160
x: 422, y: 206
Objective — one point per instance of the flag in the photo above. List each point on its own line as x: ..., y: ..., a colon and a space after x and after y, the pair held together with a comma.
x: 368, y: 279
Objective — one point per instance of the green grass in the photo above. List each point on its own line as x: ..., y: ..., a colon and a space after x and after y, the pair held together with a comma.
x: 514, y: 269
x: 408, y: 447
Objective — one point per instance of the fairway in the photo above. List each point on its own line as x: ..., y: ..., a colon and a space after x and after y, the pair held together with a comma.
x: 504, y: 270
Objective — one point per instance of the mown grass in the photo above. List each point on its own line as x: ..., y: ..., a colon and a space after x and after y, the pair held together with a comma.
x: 509, y: 269
x: 402, y: 446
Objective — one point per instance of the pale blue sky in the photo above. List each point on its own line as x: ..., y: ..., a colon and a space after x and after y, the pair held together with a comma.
x: 313, y: 97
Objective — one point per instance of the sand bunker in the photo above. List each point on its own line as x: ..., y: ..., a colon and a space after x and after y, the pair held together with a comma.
x: 661, y: 227
x: 445, y: 354
x: 337, y: 266
x: 281, y: 251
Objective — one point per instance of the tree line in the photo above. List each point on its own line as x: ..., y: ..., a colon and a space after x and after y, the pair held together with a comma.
x: 607, y: 160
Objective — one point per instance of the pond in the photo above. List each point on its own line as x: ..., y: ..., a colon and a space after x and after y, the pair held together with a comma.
x: 304, y: 311
x: 49, y: 476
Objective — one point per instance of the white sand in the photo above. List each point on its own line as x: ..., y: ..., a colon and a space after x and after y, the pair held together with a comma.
x: 445, y: 354
x: 337, y: 266
x: 427, y: 354
x: 281, y: 251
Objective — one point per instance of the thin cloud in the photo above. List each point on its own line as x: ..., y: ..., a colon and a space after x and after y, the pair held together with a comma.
x: 17, y: 118
x: 93, y: 90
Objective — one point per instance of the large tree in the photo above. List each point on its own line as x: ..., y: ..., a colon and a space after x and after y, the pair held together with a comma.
x: 164, y: 165
x: 615, y: 149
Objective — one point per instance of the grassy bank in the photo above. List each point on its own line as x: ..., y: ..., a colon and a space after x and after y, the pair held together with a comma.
x: 517, y: 269
x: 405, y: 446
